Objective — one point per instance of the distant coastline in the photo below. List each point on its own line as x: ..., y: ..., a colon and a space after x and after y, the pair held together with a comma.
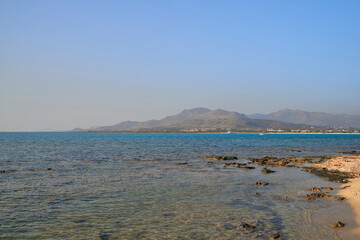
x: 203, y: 120
x: 265, y: 133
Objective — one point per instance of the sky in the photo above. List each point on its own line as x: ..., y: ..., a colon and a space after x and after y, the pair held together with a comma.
x: 67, y: 64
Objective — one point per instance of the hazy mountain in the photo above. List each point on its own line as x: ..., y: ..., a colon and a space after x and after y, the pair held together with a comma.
x: 311, y: 118
x: 78, y: 130
x: 200, y: 118
x: 119, y: 126
x: 186, y: 114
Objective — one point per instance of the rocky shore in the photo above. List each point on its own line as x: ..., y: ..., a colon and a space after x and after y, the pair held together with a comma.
x: 343, y: 168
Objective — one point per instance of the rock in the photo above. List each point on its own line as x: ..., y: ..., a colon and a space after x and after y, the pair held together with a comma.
x: 287, y: 198
x: 240, y: 164
x: 179, y: 163
x: 275, y: 236
x: 327, y: 188
x: 270, y: 161
x: 246, y: 168
x: 104, y: 235
x: 338, y: 224
x: 27, y: 170
x: 290, y: 161
x: 340, y: 199
x: 295, y: 151
x: 315, y: 189
x: 146, y: 160
x: 256, y: 193
x: 231, y: 164
x: 220, y: 157
x: 247, y: 226
x: 235, y: 164
x: 261, y: 183
x: 314, y: 196
x: 267, y: 171
x: 334, y: 176
x: 344, y: 187
x: 41, y: 169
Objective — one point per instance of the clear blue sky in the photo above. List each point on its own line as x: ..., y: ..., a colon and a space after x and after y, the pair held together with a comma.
x: 66, y: 64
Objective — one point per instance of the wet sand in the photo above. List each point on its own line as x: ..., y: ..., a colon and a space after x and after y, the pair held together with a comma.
x: 352, y: 194
x: 350, y: 190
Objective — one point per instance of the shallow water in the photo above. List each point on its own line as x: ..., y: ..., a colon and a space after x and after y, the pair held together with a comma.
x: 123, y: 186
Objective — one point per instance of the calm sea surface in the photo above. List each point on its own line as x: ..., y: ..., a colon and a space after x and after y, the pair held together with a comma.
x: 124, y: 186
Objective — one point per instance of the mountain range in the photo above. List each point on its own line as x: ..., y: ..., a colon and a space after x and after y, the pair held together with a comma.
x: 203, y: 119
x: 312, y: 118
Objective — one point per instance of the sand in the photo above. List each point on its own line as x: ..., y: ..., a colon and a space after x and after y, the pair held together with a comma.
x: 352, y: 195
x: 350, y: 190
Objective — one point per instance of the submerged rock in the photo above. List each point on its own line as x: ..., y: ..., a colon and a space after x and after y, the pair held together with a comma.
x: 338, y: 224
x: 231, y: 164
x: 235, y: 164
x: 27, y: 170
x: 105, y: 235
x: 246, y: 167
x: 247, y: 226
x: 287, y: 198
x: 332, y: 175
x: 340, y: 199
x: 314, y: 196
x: 275, y: 236
x: 146, y: 160
x: 261, y: 183
x: 295, y: 151
x: 179, y: 163
x: 267, y: 171
x: 41, y: 169
x: 315, y: 189
x: 270, y: 161
x: 220, y: 157
x: 290, y: 161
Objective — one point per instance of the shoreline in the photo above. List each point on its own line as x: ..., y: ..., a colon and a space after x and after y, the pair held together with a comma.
x: 351, y: 191
x: 347, y: 164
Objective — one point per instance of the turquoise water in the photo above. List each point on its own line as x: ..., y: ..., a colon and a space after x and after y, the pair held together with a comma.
x: 98, y: 190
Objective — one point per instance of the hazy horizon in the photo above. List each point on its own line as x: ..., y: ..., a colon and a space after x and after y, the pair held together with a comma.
x: 66, y: 64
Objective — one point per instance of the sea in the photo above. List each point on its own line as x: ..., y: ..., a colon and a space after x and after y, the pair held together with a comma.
x: 129, y: 186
